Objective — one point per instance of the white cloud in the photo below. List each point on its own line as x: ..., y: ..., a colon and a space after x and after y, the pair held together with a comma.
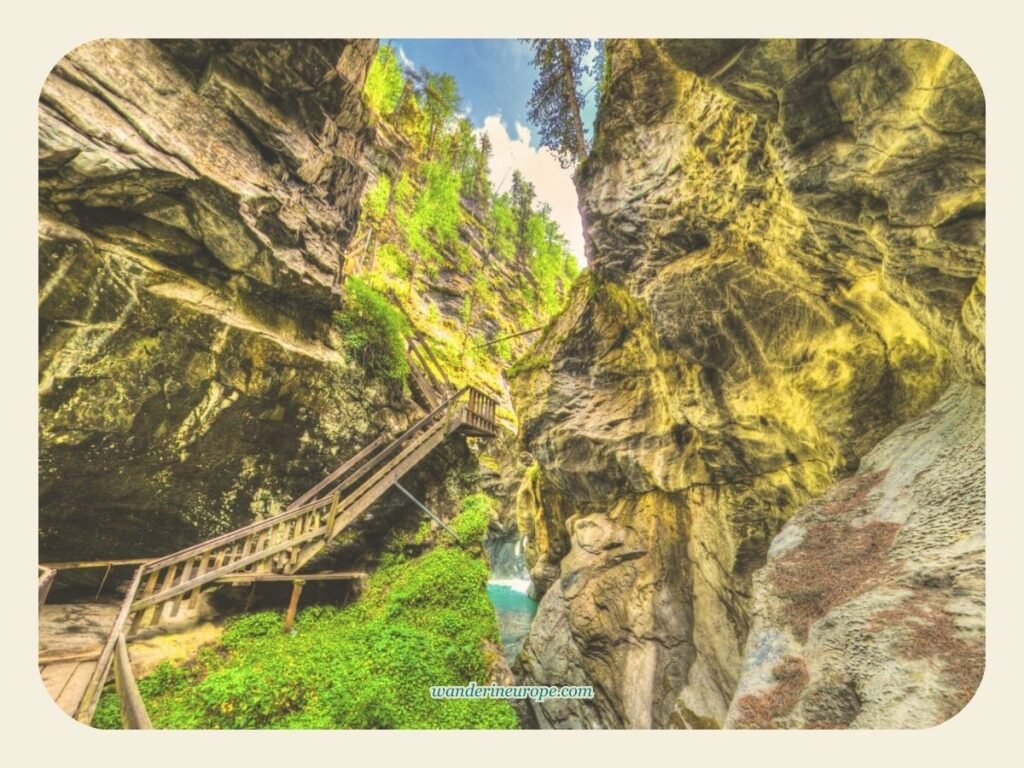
x: 406, y: 61
x: 540, y: 167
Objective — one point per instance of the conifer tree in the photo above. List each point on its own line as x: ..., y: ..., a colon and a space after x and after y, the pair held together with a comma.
x: 555, y: 103
x: 523, y: 194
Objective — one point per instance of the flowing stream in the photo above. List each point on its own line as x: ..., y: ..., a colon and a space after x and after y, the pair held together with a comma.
x: 507, y: 590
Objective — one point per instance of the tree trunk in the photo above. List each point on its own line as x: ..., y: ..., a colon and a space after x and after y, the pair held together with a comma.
x: 571, y: 100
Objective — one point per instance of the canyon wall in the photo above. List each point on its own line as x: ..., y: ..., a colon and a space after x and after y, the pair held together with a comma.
x: 786, y: 241
x: 196, y: 199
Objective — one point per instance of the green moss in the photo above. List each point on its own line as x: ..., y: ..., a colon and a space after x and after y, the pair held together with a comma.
x: 528, y: 363
x: 471, y: 523
x: 419, y: 623
x: 374, y: 331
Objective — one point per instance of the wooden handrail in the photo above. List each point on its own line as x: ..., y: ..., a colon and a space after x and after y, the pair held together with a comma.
x: 76, y: 564
x: 133, y: 710
x: 336, y: 473
x: 99, y: 676
x: 378, y: 458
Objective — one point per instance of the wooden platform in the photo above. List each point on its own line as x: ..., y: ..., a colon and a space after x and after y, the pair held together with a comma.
x: 70, y: 640
x: 66, y: 683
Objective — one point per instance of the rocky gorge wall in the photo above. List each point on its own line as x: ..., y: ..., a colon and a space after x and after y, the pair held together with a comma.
x: 196, y: 199
x: 786, y: 247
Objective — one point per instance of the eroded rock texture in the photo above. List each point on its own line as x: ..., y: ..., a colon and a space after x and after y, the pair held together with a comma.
x: 870, y: 611
x: 786, y: 241
x: 196, y: 199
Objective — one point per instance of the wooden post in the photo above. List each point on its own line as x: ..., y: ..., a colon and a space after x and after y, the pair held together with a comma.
x: 45, y: 581
x: 102, y: 582
x: 293, y: 606
x: 332, y: 514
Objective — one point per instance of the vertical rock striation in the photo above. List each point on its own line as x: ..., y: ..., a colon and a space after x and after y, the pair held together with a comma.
x: 196, y: 198
x: 786, y: 242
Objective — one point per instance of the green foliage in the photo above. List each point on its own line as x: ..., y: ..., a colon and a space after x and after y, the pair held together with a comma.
x: 474, y: 516
x: 439, y: 95
x: 375, y: 201
x: 369, y: 665
x: 527, y: 364
x: 503, y: 227
x: 428, y: 216
x: 384, y: 81
x: 391, y: 262
x: 374, y: 331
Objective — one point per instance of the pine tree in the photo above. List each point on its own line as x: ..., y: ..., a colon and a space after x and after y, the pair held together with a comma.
x: 555, y: 103
x: 440, y: 97
x: 523, y: 195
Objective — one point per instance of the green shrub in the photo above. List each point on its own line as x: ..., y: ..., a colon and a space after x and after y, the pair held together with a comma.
x: 374, y: 331
x: 471, y: 523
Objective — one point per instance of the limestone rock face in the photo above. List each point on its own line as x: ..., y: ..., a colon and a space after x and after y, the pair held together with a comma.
x: 196, y: 199
x: 786, y: 243
x: 870, y: 611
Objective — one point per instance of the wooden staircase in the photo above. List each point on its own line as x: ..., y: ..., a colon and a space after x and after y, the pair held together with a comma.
x: 284, y: 543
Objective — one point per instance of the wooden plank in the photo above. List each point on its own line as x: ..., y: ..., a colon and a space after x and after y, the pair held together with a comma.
x: 245, y: 578
x: 237, y: 535
x: 158, y: 599
x: 214, y: 575
x: 193, y: 599
x: 71, y: 697
x: 94, y: 563
x: 56, y: 675
x: 186, y: 569
x: 345, y: 467
x: 133, y: 710
x: 141, y: 618
x: 45, y: 661
x: 416, y: 450
x: 371, y: 490
x: 293, y: 605
x: 413, y: 434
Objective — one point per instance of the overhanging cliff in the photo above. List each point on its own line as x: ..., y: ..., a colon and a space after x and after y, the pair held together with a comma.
x: 196, y: 199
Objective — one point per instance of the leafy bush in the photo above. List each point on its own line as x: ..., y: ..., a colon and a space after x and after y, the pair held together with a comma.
x: 391, y: 262
x: 374, y: 331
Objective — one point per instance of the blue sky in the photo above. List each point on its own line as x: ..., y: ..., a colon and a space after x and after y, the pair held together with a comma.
x: 495, y: 77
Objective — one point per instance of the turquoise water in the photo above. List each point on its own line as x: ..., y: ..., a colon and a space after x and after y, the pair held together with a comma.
x: 515, y: 611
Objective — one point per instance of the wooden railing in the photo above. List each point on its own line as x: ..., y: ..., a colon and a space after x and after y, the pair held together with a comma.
x: 285, y: 542
x: 129, y: 700
x: 481, y: 412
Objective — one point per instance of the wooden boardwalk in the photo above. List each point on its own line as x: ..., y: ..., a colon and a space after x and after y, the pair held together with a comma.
x: 278, y: 546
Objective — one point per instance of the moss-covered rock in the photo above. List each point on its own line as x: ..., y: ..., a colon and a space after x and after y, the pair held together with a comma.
x: 786, y: 240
